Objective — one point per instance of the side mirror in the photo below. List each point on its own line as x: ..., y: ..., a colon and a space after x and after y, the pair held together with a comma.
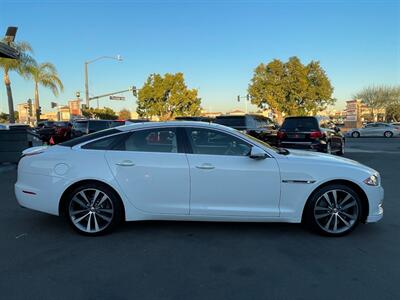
x: 257, y: 153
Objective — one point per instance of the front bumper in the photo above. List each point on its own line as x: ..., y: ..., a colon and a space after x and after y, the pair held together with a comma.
x: 375, y: 197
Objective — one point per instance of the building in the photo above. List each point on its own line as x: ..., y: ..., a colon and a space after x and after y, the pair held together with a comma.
x: 75, y: 107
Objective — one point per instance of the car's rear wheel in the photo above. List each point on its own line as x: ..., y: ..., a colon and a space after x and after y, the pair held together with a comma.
x: 328, y: 148
x: 342, y: 148
x: 334, y: 210
x: 388, y: 134
x: 355, y: 134
x: 93, y: 209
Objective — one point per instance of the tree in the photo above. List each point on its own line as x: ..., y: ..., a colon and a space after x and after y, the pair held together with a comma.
x: 380, y: 97
x: 167, y: 97
x: 44, y: 74
x: 17, y: 65
x: 124, y: 114
x: 291, y: 88
x: 105, y: 113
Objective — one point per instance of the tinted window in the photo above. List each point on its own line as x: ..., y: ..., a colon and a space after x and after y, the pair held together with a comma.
x: 151, y: 140
x: 80, y: 125
x: 212, y: 142
x: 117, y: 123
x: 98, y: 125
x: 262, y: 122
x: 107, y: 143
x: 86, y: 138
x: 300, y: 124
x: 233, y: 121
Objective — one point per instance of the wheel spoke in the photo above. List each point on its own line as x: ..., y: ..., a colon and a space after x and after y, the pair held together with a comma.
x: 344, y: 221
x: 351, y: 204
x: 106, y: 210
x: 348, y: 215
x: 317, y: 208
x: 75, y: 199
x: 96, y: 194
x: 327, y: 199
x: 345, y: 199
x: 335, y: 222
x: 84, y: 197
x: 88, y: 222
x: 329, y: 222
x: 322, y: 215
x: 104, y: 198
x: 78, y: 212
x: 81, y: 218
x: 96, y: 225
x: 105, y: 218
x: 334, y: 193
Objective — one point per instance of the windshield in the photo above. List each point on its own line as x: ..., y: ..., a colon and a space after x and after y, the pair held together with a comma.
x: 300, y: 124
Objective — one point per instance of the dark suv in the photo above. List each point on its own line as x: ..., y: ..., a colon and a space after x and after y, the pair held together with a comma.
x: 260, y: 127
x: 82, y: 127
x: 311, y: 133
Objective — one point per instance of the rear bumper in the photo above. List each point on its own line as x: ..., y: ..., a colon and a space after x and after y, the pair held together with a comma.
x: 316, y: 146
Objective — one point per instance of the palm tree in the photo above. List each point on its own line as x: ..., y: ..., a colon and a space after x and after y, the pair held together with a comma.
x: 18, y: 65
x: 46, y: 75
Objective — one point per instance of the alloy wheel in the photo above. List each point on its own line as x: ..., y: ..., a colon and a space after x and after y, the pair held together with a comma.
x: 336, y: 211
x: 91, y: 210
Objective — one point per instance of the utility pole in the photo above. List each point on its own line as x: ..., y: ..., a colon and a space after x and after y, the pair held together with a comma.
x: 86, y: 85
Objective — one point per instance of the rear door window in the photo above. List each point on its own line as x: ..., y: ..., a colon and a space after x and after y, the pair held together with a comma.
x: 300, y: 124
x: 234, y: 121
x: 98, y: 125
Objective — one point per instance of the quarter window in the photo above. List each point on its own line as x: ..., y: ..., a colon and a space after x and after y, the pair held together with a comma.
x: 212, y: 142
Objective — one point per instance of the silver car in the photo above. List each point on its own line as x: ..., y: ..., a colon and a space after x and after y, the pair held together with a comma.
x: 375, y: 130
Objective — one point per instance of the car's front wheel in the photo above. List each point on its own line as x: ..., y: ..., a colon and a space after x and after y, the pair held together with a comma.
x: 388, y: 134
x: 333, y: 210
x: 93, y: 209
x: 355, y: 134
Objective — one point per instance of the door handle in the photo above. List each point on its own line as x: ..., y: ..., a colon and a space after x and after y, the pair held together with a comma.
x: 125, y: 163
x: 205, y: 166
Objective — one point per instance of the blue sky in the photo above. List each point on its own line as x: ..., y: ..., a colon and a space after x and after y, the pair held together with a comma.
x: 216, y: 44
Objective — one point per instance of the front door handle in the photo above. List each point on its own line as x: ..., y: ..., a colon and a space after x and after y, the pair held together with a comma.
x: 205, y: 166
x: 125, y: 163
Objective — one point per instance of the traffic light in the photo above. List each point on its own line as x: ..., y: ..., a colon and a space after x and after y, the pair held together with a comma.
x: 248, y: 97
x: 238, y: 98
x: 53, y: 104
x: 39, y: 111
x: 30, y: 107
x: 134, y: 91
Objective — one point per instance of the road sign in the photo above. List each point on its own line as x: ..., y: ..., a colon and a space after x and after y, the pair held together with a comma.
x: 117, y: 98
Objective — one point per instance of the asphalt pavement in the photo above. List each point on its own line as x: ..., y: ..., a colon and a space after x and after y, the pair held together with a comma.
x: 42, y: 258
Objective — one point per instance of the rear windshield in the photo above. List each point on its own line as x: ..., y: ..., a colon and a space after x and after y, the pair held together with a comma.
x: 231, y: 121
x: 88, y: 137
x: 80, y: 125
x: 98, y: 125
x: 300, y: 124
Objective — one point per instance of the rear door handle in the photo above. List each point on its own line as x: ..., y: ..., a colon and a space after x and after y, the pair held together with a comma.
x: 205, y: 166
x: 125, y: 163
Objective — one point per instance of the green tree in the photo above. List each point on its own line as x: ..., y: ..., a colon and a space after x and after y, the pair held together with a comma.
x: 17, y: 65
x: 124, y: 114
x: 167, y: 97
x: 46, y: 75
x: 105, y: 113
x: 291, y: 88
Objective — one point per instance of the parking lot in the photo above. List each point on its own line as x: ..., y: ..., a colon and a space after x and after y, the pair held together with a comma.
x: 42, y: 258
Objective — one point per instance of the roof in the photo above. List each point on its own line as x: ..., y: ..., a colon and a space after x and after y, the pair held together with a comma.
x: 171, y: 124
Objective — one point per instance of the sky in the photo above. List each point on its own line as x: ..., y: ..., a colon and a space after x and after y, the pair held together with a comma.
x: 216, y: 44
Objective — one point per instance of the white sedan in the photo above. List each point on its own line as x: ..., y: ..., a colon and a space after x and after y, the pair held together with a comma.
x: 194, y: 171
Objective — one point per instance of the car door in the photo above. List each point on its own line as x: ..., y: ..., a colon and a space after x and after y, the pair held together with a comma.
x: 152, y: 171
x: 367, y: 130
x: 225, y: 181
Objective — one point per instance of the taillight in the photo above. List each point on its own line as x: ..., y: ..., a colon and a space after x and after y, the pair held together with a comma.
x: 316, y: 134
x: 280, y: 135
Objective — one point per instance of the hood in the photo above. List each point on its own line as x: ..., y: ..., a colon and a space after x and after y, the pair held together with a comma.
x: 323, y: 158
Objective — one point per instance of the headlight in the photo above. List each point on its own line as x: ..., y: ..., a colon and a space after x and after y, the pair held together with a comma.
x: 372, y: 180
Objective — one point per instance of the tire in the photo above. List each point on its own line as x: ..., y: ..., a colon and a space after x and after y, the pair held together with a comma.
x: 321, y: 214
x: 388, y: 134
x: 93, y: 209
x: 342, y: 149
x: 355, y: 134
x: 328, y: 149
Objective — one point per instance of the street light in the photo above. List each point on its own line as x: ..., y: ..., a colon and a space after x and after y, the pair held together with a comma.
x: 118, y: 58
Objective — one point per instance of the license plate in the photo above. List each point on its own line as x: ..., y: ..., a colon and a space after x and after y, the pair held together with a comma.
x: 296, y: 136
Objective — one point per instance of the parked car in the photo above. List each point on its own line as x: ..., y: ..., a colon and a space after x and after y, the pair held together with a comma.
x: 260, y: 127
x: 194, y: 171
x: 395, y: 124
x: 48, y: 129
x: 311, y: 133
x: 82, y: 127
x: 377, y: 129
